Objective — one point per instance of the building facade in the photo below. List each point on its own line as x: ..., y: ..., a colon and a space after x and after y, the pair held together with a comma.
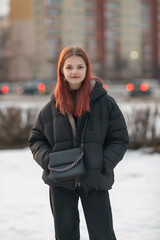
x: 131, y: 37
x: 22, y: 40
x: 27, y: 40
x: 121, y: 37
x: 5, y: 53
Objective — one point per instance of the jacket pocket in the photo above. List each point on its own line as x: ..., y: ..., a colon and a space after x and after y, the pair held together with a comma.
x: 46, y: 178
x: 98, y: 181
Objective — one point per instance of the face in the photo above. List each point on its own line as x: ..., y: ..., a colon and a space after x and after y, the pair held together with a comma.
x: 74, y: 71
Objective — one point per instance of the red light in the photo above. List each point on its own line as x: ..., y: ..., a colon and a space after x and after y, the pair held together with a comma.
x: 144, y: 87
x: 130, y: 87
x: 5, y: 89
x: 41, y: 87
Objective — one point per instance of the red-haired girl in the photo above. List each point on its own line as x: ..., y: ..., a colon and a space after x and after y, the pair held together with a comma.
x: 59, y: 126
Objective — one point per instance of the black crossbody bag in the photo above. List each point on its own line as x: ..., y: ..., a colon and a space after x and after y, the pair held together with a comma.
x: 68, y: 164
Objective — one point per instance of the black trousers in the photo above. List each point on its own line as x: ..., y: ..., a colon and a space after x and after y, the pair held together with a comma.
x: 97, y: 212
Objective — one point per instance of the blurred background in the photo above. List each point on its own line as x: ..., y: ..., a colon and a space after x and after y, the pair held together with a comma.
x: 123, y: 41
x: 122, y: 38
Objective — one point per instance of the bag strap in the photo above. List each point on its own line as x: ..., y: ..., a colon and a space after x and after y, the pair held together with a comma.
x: 84, y: 131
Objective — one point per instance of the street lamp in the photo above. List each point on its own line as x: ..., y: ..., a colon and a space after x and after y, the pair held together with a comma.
x: 134, y: 55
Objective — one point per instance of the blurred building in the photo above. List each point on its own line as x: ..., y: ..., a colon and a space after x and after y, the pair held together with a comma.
x: 4, y: 50
x: 27, y: 40
x: 68, y: 22
x: 39, y: 59
x: 22, y: 40
x: 122, y: 37
x: 52, y: 26
x: 131, y: 37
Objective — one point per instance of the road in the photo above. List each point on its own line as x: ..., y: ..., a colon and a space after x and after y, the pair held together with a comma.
x: 121, y: 96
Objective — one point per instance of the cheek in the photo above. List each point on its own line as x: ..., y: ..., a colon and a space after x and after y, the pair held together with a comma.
x: 84, y: 73
x: 65, y: 73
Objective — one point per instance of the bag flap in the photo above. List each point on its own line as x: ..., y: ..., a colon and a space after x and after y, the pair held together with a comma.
x: 63, y: 157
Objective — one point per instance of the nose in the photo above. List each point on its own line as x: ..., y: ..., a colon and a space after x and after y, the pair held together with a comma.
x: 74, y: 70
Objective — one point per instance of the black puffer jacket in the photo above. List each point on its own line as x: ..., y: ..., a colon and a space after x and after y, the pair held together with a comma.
x: 105, y: 143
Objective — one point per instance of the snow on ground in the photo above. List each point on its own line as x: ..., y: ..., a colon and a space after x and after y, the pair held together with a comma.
x: 24, y: 201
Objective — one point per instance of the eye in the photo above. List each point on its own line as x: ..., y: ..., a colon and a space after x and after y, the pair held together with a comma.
x: 80, y: 67
x: 69, y: 67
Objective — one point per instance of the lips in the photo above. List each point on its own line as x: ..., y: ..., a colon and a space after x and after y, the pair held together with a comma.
x: 75, y: 77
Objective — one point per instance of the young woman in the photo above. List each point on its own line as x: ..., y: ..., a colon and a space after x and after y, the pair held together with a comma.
x: 59, y: 126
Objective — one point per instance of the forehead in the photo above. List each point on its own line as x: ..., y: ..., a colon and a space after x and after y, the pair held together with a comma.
x: 74, y: 60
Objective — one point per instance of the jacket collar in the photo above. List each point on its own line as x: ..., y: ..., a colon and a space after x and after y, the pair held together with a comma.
x: 97, y: 92
x: 70, y: 117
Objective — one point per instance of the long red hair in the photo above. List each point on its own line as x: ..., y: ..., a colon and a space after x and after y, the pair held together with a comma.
x: 63, y: 95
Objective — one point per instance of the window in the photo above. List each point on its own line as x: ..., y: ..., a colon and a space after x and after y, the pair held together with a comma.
x: 56, y: 2
x: 50, y: 31
x: 113, y: 5
x: 113, y: 24
x: 111, y: 43
x: 89, y: 13
x: 52, y: 41
x: 145, y: 25
x: 145, y: 7
x: 112, y: 33
x: 90, y: 23
x: 112, y: 14
x: 53, y: 11
x: 89, y: 4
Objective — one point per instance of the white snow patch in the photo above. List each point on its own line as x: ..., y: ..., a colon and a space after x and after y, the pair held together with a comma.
x: 24, y: 199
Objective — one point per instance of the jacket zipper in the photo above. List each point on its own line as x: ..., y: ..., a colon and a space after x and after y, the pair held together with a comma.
x: 77, y: 182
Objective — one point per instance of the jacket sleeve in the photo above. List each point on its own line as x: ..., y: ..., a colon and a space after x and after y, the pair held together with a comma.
x: 39, y: 144
x: 116, y: 140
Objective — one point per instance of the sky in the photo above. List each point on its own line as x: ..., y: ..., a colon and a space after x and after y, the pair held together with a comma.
x: 4, y: 7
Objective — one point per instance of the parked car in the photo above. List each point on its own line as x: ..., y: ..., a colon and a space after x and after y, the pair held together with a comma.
x: 139, y: 87
x: 30, y: 88
x: 34, y: 87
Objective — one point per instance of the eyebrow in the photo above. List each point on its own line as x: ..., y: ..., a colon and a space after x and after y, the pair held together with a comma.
x: 81, y: 64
